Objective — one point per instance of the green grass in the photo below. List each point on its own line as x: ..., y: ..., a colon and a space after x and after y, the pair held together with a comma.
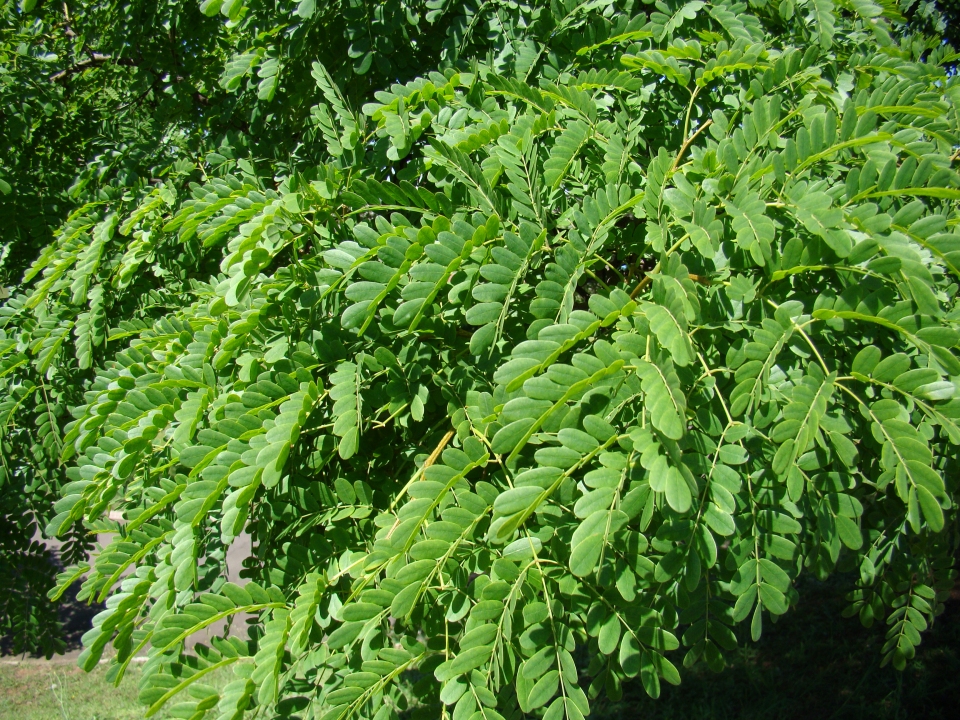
x: 38, y: 690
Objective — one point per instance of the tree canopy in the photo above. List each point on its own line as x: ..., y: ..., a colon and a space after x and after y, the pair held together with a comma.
x: 537, y: 346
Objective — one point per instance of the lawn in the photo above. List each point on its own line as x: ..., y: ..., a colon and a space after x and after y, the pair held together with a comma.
x: 38, y: 690
x: 59, y: 690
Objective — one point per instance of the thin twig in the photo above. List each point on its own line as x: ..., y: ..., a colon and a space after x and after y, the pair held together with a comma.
x: 686, y: 144
x: 431, y: 459
x: 94, y: 59
x: 67, y: 30
x: 136, y: 100
x: 639, y: 288
x: 649, y: 276
x: 686, y: 117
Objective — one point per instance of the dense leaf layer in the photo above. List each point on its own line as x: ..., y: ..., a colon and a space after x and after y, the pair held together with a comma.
x: 585, y: 348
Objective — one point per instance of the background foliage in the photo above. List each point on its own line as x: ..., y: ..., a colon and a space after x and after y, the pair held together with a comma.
x: 538, y: 347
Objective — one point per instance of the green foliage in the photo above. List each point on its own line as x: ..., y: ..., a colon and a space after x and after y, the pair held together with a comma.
x: 28, y: 622
x: 552, y: 367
